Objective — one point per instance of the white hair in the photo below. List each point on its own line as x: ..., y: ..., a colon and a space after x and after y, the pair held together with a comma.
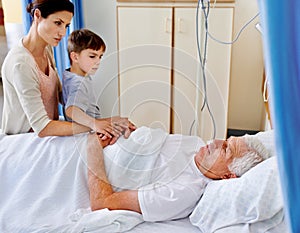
x: 256, y: 154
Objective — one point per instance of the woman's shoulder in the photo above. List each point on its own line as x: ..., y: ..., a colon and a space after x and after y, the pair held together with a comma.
x: 20, y: 59
x: 19, y: 53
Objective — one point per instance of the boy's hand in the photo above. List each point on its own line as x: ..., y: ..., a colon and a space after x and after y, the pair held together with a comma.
x: 110, y: 129
x: 106, y: 129
x: 126, y: 126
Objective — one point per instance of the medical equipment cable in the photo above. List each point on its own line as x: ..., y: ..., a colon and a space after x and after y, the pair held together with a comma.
x: 238, y: 34
x: 200, y: 58
x: 203, y: 63
x: 205, y: 11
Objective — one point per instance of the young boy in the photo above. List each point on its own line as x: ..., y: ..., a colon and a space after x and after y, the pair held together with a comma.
x: 85, y: 50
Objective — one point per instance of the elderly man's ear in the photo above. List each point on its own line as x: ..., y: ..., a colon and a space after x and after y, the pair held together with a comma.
x: 229, y: 176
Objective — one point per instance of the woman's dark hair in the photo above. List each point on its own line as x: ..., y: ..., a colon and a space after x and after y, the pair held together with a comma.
x: 48, y: 7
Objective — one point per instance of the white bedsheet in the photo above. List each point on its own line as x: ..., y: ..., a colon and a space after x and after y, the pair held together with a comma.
x: 175, y: 226
x: 43, y: 188
x: 43, y: 181
x: 44, y: 184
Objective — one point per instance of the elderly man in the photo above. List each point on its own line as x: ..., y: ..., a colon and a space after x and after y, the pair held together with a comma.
x: 174, y: 190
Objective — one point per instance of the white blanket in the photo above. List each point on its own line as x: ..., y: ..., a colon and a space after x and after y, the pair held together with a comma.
x: 44, y: 182
x: 129, y: 162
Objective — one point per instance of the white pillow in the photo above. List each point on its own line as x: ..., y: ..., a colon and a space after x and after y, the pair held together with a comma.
x: 268, y: 139
x: 254, y: 197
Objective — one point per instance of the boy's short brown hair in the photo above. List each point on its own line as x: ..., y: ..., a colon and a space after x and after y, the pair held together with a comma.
x: 84, y: 39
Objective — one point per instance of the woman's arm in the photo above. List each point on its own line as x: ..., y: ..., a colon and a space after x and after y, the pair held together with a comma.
x: 62, y: 128
x: 98, y: 125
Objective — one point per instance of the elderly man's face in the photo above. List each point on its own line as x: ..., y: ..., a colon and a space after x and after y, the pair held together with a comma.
x: 214, y: 158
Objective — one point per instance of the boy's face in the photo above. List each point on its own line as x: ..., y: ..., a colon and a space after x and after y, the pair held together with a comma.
x: 87, y: 61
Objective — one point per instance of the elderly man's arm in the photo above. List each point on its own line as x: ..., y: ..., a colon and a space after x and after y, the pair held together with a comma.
x: 101, y: 192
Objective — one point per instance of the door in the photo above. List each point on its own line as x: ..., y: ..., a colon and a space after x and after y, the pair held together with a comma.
x: 186, y: 66
x: 145, y: 65
x: 188, y: 92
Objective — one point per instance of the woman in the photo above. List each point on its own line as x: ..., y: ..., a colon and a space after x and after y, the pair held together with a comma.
x: 30, y: 82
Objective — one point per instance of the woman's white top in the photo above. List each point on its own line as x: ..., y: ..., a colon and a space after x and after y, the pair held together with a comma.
x: 23, y: 106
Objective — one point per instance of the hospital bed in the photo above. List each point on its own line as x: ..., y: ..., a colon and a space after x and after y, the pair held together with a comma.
x: 43, y: 188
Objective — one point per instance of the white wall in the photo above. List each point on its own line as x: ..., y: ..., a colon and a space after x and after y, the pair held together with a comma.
x: 245, y: 102
x: 100, y: 17
x: 246, y: 109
